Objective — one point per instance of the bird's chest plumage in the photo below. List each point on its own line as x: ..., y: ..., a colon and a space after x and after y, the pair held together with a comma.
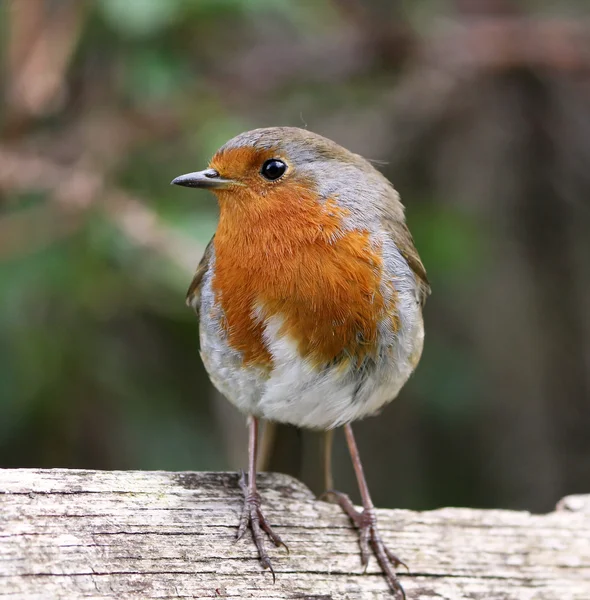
x: 324, y: 284
x: 299, y: 316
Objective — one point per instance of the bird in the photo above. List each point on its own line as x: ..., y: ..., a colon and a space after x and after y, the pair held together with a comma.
x: 309, y: 298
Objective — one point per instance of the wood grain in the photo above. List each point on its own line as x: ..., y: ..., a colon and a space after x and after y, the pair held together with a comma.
x: 89, y: 534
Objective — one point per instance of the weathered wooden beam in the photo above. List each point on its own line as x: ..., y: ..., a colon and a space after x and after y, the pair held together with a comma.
x: 89, y: 534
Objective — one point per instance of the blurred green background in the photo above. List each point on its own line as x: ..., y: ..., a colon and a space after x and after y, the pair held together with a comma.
x: 478, y: 111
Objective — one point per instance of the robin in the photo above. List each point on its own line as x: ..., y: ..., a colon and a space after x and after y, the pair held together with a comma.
x: 310, y: 299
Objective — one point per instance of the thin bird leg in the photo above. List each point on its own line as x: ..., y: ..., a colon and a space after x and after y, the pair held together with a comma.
x: 252, y: 515
x: 366, y: 522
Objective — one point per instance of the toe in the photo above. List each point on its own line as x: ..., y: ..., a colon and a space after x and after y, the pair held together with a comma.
x: 397, y: 562
x: 364, y: 538
x: 385, y: 562
x: 243, y: 524
x: 275, y: 537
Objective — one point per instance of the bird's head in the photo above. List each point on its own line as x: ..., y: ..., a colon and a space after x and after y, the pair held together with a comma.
x: 263, y: 170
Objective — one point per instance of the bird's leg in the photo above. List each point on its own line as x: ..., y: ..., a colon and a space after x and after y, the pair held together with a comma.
x: 252, y: 515
x: 366, y: 522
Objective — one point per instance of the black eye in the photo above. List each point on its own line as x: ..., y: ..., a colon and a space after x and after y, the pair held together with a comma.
x: 273, y: 169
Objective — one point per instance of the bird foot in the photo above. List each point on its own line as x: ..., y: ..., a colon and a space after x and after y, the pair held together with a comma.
x: 369, y: 537
x: 253, y: 517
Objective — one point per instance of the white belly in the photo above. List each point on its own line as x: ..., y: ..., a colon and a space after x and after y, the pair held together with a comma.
x: 296, y: 392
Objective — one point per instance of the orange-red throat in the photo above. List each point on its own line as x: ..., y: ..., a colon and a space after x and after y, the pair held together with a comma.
x: 283, y: 253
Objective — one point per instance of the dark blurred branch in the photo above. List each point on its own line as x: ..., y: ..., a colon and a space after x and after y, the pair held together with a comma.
x: 488, y: 8
x: 40, y: 47
x: 434, y: 96
x: 385, y: 32
x: 73, y: 190
x: 500, y: 43
x: 366, y: 41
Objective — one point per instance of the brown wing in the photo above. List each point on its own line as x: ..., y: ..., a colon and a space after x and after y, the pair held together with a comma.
x: 403, y: 239
x: 193, y: 295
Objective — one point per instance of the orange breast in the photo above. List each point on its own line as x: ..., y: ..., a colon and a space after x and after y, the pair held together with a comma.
x: 286, y: 255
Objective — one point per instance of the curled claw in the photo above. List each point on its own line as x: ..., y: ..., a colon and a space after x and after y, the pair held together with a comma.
x: 369, y: 537
x: 275, y: 537
x: 272, y: 572
x: 253, y: 517
x: 395, y: 560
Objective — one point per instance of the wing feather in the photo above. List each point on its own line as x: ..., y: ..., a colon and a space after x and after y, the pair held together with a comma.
x: 193, y: 295
x: 402, y: 237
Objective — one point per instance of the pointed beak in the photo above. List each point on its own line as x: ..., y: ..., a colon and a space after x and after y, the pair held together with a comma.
x: 208, y: 179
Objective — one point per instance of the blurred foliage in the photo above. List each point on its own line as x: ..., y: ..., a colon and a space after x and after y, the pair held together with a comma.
x: 104, y: 102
